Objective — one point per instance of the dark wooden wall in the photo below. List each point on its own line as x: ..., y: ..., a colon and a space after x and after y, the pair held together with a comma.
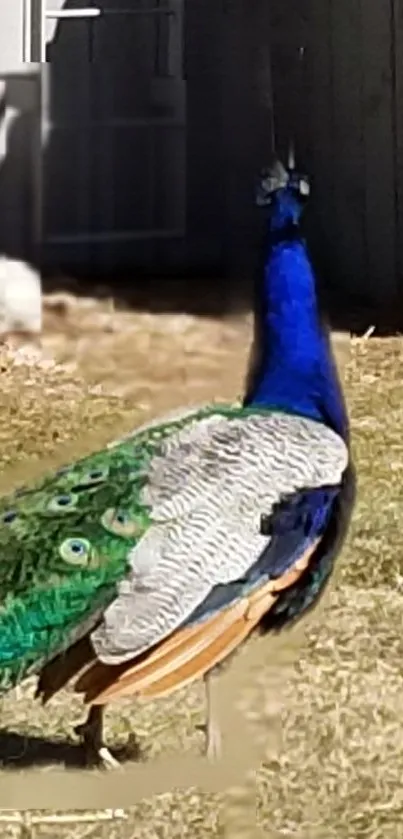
x: 229, y: 125
x: 346, y: 103
x: 343, y: 103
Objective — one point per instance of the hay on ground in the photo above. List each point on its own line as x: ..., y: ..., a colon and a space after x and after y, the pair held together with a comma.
x: 336, y: 769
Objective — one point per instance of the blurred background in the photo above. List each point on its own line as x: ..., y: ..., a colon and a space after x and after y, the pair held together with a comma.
x: 131, y: 134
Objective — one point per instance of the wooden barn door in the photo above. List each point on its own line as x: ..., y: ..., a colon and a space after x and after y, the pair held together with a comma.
x: 345, y: 102
x: 114, y: 130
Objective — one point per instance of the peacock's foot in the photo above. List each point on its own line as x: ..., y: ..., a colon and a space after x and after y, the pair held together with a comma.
x: 212, y: 727
x: 107, y: 758
x: 213, y: 742
x: 90, y: 733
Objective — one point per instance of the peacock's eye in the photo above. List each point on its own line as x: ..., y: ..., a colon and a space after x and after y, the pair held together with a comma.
x: 119, y: 522
x: 65, y: 501
x: 75, y: 551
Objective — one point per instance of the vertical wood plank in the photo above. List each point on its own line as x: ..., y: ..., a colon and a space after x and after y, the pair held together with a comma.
x: 379, y: 143
x: 397, y: 17
x: 205, y: 156
x: 320, y: 152
x: 289, y: 27
x: 348, y: 167
x: 232, y: 125
x: 246, y: 124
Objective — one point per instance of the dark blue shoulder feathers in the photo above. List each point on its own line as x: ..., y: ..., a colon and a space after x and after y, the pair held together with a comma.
x: 301, y: 597
x: 292, y: 366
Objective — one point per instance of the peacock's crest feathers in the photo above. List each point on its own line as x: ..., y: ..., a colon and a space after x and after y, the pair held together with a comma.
x: 276, y: 178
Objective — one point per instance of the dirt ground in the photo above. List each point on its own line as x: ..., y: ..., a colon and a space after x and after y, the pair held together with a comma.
x: 331, y: 693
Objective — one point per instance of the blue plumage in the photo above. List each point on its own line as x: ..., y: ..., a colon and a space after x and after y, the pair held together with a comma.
x: 297, y: 600
x: 297, y: 371
x: 294, y: 525
x: 296, y: 374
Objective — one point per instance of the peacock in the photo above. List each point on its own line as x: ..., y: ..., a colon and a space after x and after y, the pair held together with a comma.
x: 143, y: 567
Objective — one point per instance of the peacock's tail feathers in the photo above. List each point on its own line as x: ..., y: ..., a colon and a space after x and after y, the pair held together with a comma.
x: 207, y: 494
x: 64, y: 669
x: 191, y: 651
x: 127, y: 545
x: 64, y: 545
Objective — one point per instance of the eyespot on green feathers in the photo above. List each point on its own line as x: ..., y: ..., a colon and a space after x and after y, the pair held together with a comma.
x: 63, y: 545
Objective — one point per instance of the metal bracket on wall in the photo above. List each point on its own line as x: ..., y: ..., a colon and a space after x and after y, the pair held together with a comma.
x: 35, y: 16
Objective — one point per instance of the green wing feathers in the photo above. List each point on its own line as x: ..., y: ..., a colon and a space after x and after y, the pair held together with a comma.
x: 63, y: 548
x: 64, y: 544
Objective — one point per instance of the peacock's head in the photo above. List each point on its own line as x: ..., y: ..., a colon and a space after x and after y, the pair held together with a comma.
x: 285, y: 191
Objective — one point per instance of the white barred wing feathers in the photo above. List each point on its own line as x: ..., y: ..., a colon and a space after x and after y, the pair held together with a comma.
x: 207, y: 487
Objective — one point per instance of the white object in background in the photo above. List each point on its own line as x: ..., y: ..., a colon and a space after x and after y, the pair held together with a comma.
x: 20, y: 298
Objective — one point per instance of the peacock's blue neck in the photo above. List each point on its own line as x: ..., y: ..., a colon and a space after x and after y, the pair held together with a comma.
x: 297, y: 372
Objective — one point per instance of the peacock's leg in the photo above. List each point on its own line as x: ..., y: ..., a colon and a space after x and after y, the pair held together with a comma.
x: 213, y: 732
x: 91, y: 733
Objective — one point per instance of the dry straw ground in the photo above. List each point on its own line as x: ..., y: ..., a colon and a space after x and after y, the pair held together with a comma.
x: 331, y: 693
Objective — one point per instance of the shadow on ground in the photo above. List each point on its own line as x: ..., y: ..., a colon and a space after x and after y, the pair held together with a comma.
x: 19, y: 752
